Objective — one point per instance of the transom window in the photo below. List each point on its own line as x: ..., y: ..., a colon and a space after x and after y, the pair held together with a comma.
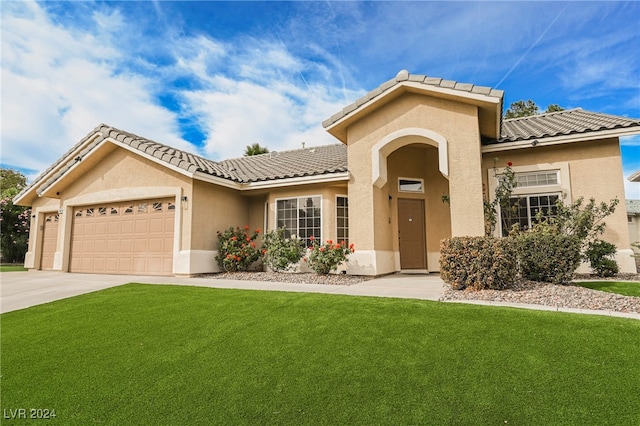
x: 524, y: 211
x: 537, y: 178
x: 410, y: 185
x: 342, y: 218
x: 301, y: 217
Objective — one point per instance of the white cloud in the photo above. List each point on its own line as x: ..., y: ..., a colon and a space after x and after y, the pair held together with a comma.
x: 58, y: 84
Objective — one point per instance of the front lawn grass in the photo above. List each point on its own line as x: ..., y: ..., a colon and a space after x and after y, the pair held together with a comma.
x: 152, y: 354
x: 623, y: 288
x: 12, y: 268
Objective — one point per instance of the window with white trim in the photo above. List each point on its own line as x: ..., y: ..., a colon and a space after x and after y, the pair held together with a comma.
x: 523, y: 210
x: 342, y: 219
x: 300, y: 216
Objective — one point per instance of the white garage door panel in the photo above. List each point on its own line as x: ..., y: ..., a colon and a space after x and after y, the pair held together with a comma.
x: 126, y: 238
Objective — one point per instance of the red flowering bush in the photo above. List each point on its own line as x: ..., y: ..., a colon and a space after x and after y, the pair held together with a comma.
x: 237, y: 249
x: 326, y: 258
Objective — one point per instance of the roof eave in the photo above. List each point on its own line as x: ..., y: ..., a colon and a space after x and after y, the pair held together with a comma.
x: 35, y: 190
x: 562, y: 139
x: 273, y: 183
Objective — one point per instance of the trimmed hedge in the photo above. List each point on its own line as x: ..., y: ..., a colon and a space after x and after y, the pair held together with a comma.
x: 478, y: 263
x: 547, y: 257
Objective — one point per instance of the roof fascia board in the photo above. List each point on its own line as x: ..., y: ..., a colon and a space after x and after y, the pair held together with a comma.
x: 419, y: 87
x: 302, y: 180
x: 156, y: 160
x: 34, y: 190
x: 275, y: 183
x: 557, y: 140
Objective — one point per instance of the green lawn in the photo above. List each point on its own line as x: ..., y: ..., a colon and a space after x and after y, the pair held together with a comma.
x: 144, y: 354
x: 12, y: 268
x: 624, y: 288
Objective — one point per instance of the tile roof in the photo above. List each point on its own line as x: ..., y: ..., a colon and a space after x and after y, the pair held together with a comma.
x: 312, y: 161
x: 561, y: 123
x: 403, y: 76
x: 633, y: 207
x: 275, y: 165
x: 287, y: 164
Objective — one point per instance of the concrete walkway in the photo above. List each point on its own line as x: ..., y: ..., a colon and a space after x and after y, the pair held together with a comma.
x: 19, y: 290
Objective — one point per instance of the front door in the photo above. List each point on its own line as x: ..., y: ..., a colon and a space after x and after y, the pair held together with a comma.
x: 411, y: 235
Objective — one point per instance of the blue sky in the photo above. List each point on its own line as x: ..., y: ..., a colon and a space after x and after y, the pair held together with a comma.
x: 213, y: 77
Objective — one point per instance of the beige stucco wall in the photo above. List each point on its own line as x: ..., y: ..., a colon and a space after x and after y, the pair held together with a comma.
x: 634, y: 229
x: 595, y: 170
x: 455, y: 122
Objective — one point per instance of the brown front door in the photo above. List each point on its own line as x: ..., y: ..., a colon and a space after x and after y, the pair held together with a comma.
x: 49, y: 240
x: 411, y: 234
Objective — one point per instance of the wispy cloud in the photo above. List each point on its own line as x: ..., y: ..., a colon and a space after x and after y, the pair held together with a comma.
x: 59, y: 83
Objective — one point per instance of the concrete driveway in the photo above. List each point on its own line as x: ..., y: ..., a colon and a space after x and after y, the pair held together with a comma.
x: 19, y: 290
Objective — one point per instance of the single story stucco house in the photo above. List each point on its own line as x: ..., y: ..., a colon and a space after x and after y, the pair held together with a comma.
x: 120, y: 203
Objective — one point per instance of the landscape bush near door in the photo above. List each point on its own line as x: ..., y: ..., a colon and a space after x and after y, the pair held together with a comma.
x: 547, y: 257
x: 478, y: 263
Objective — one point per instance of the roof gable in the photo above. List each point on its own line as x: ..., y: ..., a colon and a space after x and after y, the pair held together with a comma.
x: 488, y: 100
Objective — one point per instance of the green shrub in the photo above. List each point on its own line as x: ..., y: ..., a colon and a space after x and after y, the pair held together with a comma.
x: 326, y: 258
x: 547, y: 257
x: 599, y: 253
x: 237, y: 249
x: 477, y: 262
x: 280, y: 253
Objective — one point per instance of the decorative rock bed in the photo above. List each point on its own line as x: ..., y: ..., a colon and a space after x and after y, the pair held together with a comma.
x: 528, y: 292
x: 562, y: 296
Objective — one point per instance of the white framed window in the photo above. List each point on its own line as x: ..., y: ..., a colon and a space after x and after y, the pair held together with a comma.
x: 410, y: 185
x: 523, y: 210
x: 301, y: 216
x: 539, y: 186
x: 342, y: 219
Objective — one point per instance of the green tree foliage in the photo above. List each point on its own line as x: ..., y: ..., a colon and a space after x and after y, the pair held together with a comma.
x: 255, y: 149
x: 14, y: 220
x: 528, y: 108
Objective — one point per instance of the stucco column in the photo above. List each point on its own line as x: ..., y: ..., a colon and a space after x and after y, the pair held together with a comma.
x: 465, y: 188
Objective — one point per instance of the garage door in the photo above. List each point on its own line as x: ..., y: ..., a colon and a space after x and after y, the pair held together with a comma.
x: 125, y: 238
x: 49, y: 240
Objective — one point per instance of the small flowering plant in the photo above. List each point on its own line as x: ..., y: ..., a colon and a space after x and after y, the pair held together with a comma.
x: 326, y: 258
x: 237, y: 248
x: 281, y: 253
